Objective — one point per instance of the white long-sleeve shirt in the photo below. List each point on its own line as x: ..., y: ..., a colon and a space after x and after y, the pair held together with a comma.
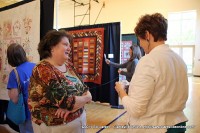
x: 158, y: 91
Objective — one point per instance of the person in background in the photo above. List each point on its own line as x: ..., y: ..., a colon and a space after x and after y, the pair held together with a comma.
x: 57, y: 95
x: 135, y: 55
x: 158, y: 90
x: 17, y: 58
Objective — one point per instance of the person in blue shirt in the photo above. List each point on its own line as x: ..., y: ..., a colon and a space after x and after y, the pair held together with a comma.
x: 17, y: 58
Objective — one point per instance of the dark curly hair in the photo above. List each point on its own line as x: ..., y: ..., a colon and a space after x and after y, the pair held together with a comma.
x: 16, y: 55
x: 156, y: 24
x: 51, y: 39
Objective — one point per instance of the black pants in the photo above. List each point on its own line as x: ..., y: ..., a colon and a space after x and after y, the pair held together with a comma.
x: 177, y: 130
x: 3, y: 110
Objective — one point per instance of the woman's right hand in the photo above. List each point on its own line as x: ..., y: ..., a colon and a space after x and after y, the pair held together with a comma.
x: 62, y: 113
x: 107, y: 61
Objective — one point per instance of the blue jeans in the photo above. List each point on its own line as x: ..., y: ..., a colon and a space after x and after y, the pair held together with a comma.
x: 26, y: 127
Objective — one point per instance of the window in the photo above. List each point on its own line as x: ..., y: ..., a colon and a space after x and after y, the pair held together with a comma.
x: 182, y: 28
x: 182, y: 35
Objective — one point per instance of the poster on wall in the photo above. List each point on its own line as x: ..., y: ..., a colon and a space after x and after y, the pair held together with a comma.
x: 19, y: 25
x: 127, y: 41
x: 87, y: 53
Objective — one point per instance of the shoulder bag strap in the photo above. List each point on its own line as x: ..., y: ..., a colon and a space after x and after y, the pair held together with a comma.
x: 18, y: 81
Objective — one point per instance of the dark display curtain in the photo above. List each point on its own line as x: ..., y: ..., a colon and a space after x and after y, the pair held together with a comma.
x: 46, y: 16
x: 106, y: 91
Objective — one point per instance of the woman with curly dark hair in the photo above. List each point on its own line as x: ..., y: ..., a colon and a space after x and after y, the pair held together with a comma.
x: 57, y: 94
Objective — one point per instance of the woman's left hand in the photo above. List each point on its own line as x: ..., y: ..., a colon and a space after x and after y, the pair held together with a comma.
x: 62, y: 113
x: 88, y: 94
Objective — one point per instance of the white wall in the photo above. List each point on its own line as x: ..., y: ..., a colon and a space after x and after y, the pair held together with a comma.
x: 128, y: 12
x: 125, y: 11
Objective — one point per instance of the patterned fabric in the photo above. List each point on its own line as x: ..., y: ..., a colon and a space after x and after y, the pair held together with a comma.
x: 51, y: 89
x: 18, y: 25
x: 87, y: 50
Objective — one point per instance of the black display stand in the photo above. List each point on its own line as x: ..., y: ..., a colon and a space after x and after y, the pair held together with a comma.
x: 117, y: 107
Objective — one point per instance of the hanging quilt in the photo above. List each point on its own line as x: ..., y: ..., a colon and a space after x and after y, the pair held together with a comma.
x: 87, y: 53
x: 18, y: 25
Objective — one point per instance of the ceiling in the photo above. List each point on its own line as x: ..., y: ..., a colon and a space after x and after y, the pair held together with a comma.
x: 4, y: 3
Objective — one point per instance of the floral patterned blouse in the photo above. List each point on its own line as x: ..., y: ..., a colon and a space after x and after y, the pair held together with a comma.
x: 51, y: 89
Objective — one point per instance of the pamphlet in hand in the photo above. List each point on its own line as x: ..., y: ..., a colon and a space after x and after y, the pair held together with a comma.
x: 124, y: 82
x: 105, y: 56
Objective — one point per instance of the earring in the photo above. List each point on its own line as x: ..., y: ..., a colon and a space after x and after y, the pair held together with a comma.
x: 148, y: 42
